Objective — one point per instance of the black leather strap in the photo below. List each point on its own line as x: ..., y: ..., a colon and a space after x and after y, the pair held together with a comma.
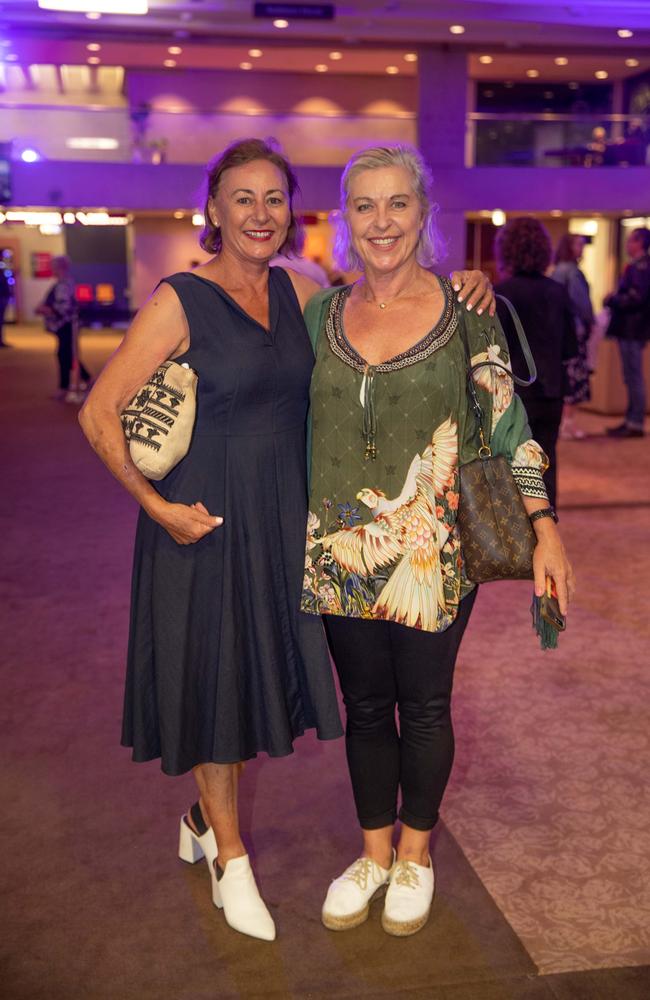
x: 196, y: 815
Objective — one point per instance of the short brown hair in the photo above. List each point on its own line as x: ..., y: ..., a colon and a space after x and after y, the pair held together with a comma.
x: 523, y: 246
x: 237, y: 154
x: 565, y: 251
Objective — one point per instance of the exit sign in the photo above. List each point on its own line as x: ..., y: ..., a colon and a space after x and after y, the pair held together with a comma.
x: 296, y: 11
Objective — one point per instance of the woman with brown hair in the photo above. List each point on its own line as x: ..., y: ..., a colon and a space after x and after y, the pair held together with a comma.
x: 523, y: 249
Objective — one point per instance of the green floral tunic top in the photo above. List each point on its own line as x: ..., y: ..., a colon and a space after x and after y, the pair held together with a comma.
x: 387, y: 442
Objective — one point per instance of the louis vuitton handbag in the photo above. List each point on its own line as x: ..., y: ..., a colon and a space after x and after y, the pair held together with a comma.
x: 159, y: 420
x: 497, y: 538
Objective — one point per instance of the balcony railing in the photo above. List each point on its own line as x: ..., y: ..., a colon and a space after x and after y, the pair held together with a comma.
x: 557, y: 140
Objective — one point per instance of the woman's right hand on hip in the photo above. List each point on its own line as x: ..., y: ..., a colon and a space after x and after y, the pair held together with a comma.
x: 187, y: 524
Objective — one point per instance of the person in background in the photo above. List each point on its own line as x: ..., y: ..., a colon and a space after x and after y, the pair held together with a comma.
x: 523, y: 250
x: 5, y: 295
x: 566, y: 272
x: 392, y: 424
x: 630, y: 326
x: 302, y: 265
x: 59, y: 309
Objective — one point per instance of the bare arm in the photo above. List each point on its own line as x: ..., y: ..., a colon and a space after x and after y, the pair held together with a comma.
x: 158, y: 332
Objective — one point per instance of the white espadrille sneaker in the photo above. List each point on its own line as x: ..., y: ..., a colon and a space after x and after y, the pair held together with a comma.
x: 347, y: 903
x: 408, y: 899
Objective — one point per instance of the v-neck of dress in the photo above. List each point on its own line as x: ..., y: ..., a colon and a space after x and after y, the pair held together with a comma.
x: 436, y: 337
x: 272, y: 296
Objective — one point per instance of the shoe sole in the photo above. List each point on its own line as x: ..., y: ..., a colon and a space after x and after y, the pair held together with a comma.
x: 404, y: 928
x: 355, y: 919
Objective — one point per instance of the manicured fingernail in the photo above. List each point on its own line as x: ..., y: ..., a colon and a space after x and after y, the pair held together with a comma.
x: 218, y: 520
x: 539, y: 591
x: 469, y: 306
x: 478, y: 312
x: 456, y: 288
x: 460, y: 298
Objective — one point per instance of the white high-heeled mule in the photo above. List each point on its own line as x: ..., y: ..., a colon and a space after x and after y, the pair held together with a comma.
x: 237, y: 894
x: 202, y: 844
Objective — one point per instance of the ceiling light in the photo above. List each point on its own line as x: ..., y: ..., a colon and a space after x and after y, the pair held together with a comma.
x: 280, y: 23
x: 498, y: 217
x: 556, y: 212
x: 96, y: 6
x: 93, y: 47
x: 321, y: 68
x: 179, y: 215
x: 29, y: 156
x: 245, y: 65
x: 410, y: 57
x: 169, y: 63
x: 456, y: 29
x: 49, y: 230
x: 392, y: 70
x: 93, y: 15
x: 255, y: 53
x: 532, y: 73
x: 486, y: 60
x: 631, y: 63
x: 174, y: 50
x: 93, y: 60
x: 561, y: 61
x: 91, y: 142
x: 35, y: 218
x: 601, y: 74
x: 101, y: 219
x: 624, y: 33
x: 198, y: 219
x: 69, y: 218
x: 335, y: 56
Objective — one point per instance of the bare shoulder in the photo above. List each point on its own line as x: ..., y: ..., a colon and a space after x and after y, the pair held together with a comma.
x: 303, y: 286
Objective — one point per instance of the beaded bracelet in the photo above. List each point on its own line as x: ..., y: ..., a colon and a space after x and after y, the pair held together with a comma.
x: 544, y: 512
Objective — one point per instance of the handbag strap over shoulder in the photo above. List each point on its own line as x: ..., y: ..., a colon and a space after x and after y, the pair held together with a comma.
x: 484, y: 450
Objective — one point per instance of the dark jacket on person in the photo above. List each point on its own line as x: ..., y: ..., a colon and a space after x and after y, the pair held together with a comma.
x: 630, y: 304
x: 546, y: 314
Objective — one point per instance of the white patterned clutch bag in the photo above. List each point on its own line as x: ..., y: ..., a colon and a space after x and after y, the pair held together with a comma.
x: 159, y: 420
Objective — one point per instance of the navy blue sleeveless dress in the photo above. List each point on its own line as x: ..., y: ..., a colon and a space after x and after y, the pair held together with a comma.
x: 221, y: 662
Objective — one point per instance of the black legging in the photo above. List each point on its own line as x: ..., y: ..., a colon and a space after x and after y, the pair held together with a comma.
x: 64, y: 357
x: 381, y: 666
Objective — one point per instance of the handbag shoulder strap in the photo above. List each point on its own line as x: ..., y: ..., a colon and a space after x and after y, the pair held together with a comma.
x: 484, y: 450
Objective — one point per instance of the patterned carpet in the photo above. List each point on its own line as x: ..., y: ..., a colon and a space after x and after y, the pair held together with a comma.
x: 549, y: 797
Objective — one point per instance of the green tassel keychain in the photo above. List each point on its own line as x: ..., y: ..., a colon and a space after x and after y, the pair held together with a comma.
x: 548, y: 621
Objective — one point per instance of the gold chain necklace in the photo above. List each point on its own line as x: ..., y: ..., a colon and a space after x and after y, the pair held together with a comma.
x: 384, y: 305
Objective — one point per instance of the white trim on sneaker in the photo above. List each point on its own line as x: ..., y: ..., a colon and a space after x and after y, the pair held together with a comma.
x: 408, y: 899
x: 347, y: 903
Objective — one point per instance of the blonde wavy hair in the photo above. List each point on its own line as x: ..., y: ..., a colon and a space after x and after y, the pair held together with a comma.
x: 431, y: 246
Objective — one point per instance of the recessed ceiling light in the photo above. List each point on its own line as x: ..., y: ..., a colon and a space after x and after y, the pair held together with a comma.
x: 486, y: 60
x: 280, y: 23
x: 498, y: 217
x: 561, y: 61
x: 93, y: 15
x: 532, y: 73
x: 335, y: 56
x: 179, y: 215
x: 631, y: 63
x: 255, y: 53
x: 93, y: 47
x: 392, y: 70
x: 457, y: 29
x: 30, y: 156
x: 245, y: 65
x: 69, y: 218
x: 94, y: 60
x: 601, y: 74
x: 169, y: 63
x: 624, y: 33
x: 321, y: 68
x: 175, y: 50
x: 410, y: 57
x: 556, y: 212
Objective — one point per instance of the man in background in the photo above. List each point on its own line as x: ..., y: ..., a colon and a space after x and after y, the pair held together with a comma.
x: 630, y: 325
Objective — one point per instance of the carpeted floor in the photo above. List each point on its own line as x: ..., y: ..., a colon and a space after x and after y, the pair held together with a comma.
x: 541, y: 861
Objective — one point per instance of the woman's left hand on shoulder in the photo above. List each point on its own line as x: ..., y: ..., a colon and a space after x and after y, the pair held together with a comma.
x: 550, y: 559
x: 475, y: 289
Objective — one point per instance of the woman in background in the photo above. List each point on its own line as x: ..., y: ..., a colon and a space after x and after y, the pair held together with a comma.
x: 566, y: 272
x: 523, y: 249
x: 59, y: 309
